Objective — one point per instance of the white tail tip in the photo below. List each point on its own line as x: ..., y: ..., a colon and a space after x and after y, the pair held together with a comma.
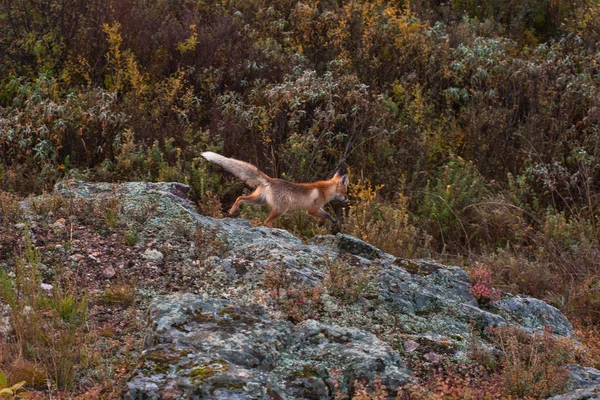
x: 209, y: 155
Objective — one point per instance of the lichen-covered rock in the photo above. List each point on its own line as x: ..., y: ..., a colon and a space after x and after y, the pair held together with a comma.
x: 590, y: 393
x: 343, y: 243
x: 582, y: 377
x: 424, y: 296
x: 227, y: 341
x: 217, y: 349
x: 533, y: 313
x: 5, y: 321
x: 209, y: 348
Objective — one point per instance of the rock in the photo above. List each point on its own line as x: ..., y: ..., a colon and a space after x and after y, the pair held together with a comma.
x: 197, y: 346
x: 422, y: 295
x: 109, y: 272
x: 585, y: 382
x: 152, y: 255
x: 59, y: 224
x: 432, y: 357
x: 410, y: 346
x: 343, y: 243
x: 590, y: 393
x: 47, y: 287
x: 582, y: 377
x: 237, y: 349
x: 533, y: 313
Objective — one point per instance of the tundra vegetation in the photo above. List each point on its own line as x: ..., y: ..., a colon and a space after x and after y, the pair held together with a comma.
x: 470, y: 129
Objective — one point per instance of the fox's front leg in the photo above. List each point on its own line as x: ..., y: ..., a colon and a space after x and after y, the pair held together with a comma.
x: 322, y: 215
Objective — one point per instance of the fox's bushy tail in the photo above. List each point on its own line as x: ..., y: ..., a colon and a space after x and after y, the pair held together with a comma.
x: 251, y: 175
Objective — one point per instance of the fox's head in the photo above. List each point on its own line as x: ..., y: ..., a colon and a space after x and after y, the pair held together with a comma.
x: 341, y: 191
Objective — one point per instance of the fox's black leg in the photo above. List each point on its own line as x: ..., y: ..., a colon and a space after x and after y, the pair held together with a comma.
x: 322, y: 215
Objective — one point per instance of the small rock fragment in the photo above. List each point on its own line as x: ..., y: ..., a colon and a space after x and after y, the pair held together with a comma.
x: 432, y: 357
x: 410, y: 346
x: 152, y: 255
x: 109, y: 272
x: 58, y: 224
x: 46, y: 286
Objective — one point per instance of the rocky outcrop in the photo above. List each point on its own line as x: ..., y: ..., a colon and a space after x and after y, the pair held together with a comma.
x: 227, y: 341
x: 218, y: 349
x: 589, y: 393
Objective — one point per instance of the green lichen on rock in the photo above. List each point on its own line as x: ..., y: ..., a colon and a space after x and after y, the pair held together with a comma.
x: 161, y: 360
x: 151, y: 367
x: 202, y: 372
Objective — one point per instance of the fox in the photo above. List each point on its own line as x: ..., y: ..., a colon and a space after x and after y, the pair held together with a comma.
x: 281, y: 195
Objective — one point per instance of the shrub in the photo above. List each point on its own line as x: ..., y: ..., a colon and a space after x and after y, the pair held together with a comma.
x: 386, y: 225
x: 10, y: 209
x: 455, y: 382
x: 456, y: 186
x: 533, y: 365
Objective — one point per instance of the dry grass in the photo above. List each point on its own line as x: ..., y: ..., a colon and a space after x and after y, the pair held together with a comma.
x: 387, y: 225
x: 51, y: 341
x: 10, y: 209
x: 533, y: 365
x: 296, y: 300
x: 121, y: 294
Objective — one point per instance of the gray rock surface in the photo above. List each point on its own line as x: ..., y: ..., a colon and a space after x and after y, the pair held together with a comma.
x: 227, y: 342
x: 217, y: 349
x: 585, y: 384
x: 590, y: 393
x: 582, y: 377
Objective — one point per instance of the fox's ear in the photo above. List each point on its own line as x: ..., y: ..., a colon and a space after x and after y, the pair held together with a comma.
x: 340, y: 172
x: 345, y: 180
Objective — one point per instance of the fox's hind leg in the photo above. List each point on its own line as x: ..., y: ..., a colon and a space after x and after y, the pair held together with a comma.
x: 257, y: 198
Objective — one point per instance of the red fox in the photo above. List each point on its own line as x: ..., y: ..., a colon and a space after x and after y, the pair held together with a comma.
x: 283, y: 196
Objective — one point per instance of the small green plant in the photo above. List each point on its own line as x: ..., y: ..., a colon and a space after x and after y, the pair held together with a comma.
x: 111, y: 210
x: 130, y: 237
x: 9, y: 391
